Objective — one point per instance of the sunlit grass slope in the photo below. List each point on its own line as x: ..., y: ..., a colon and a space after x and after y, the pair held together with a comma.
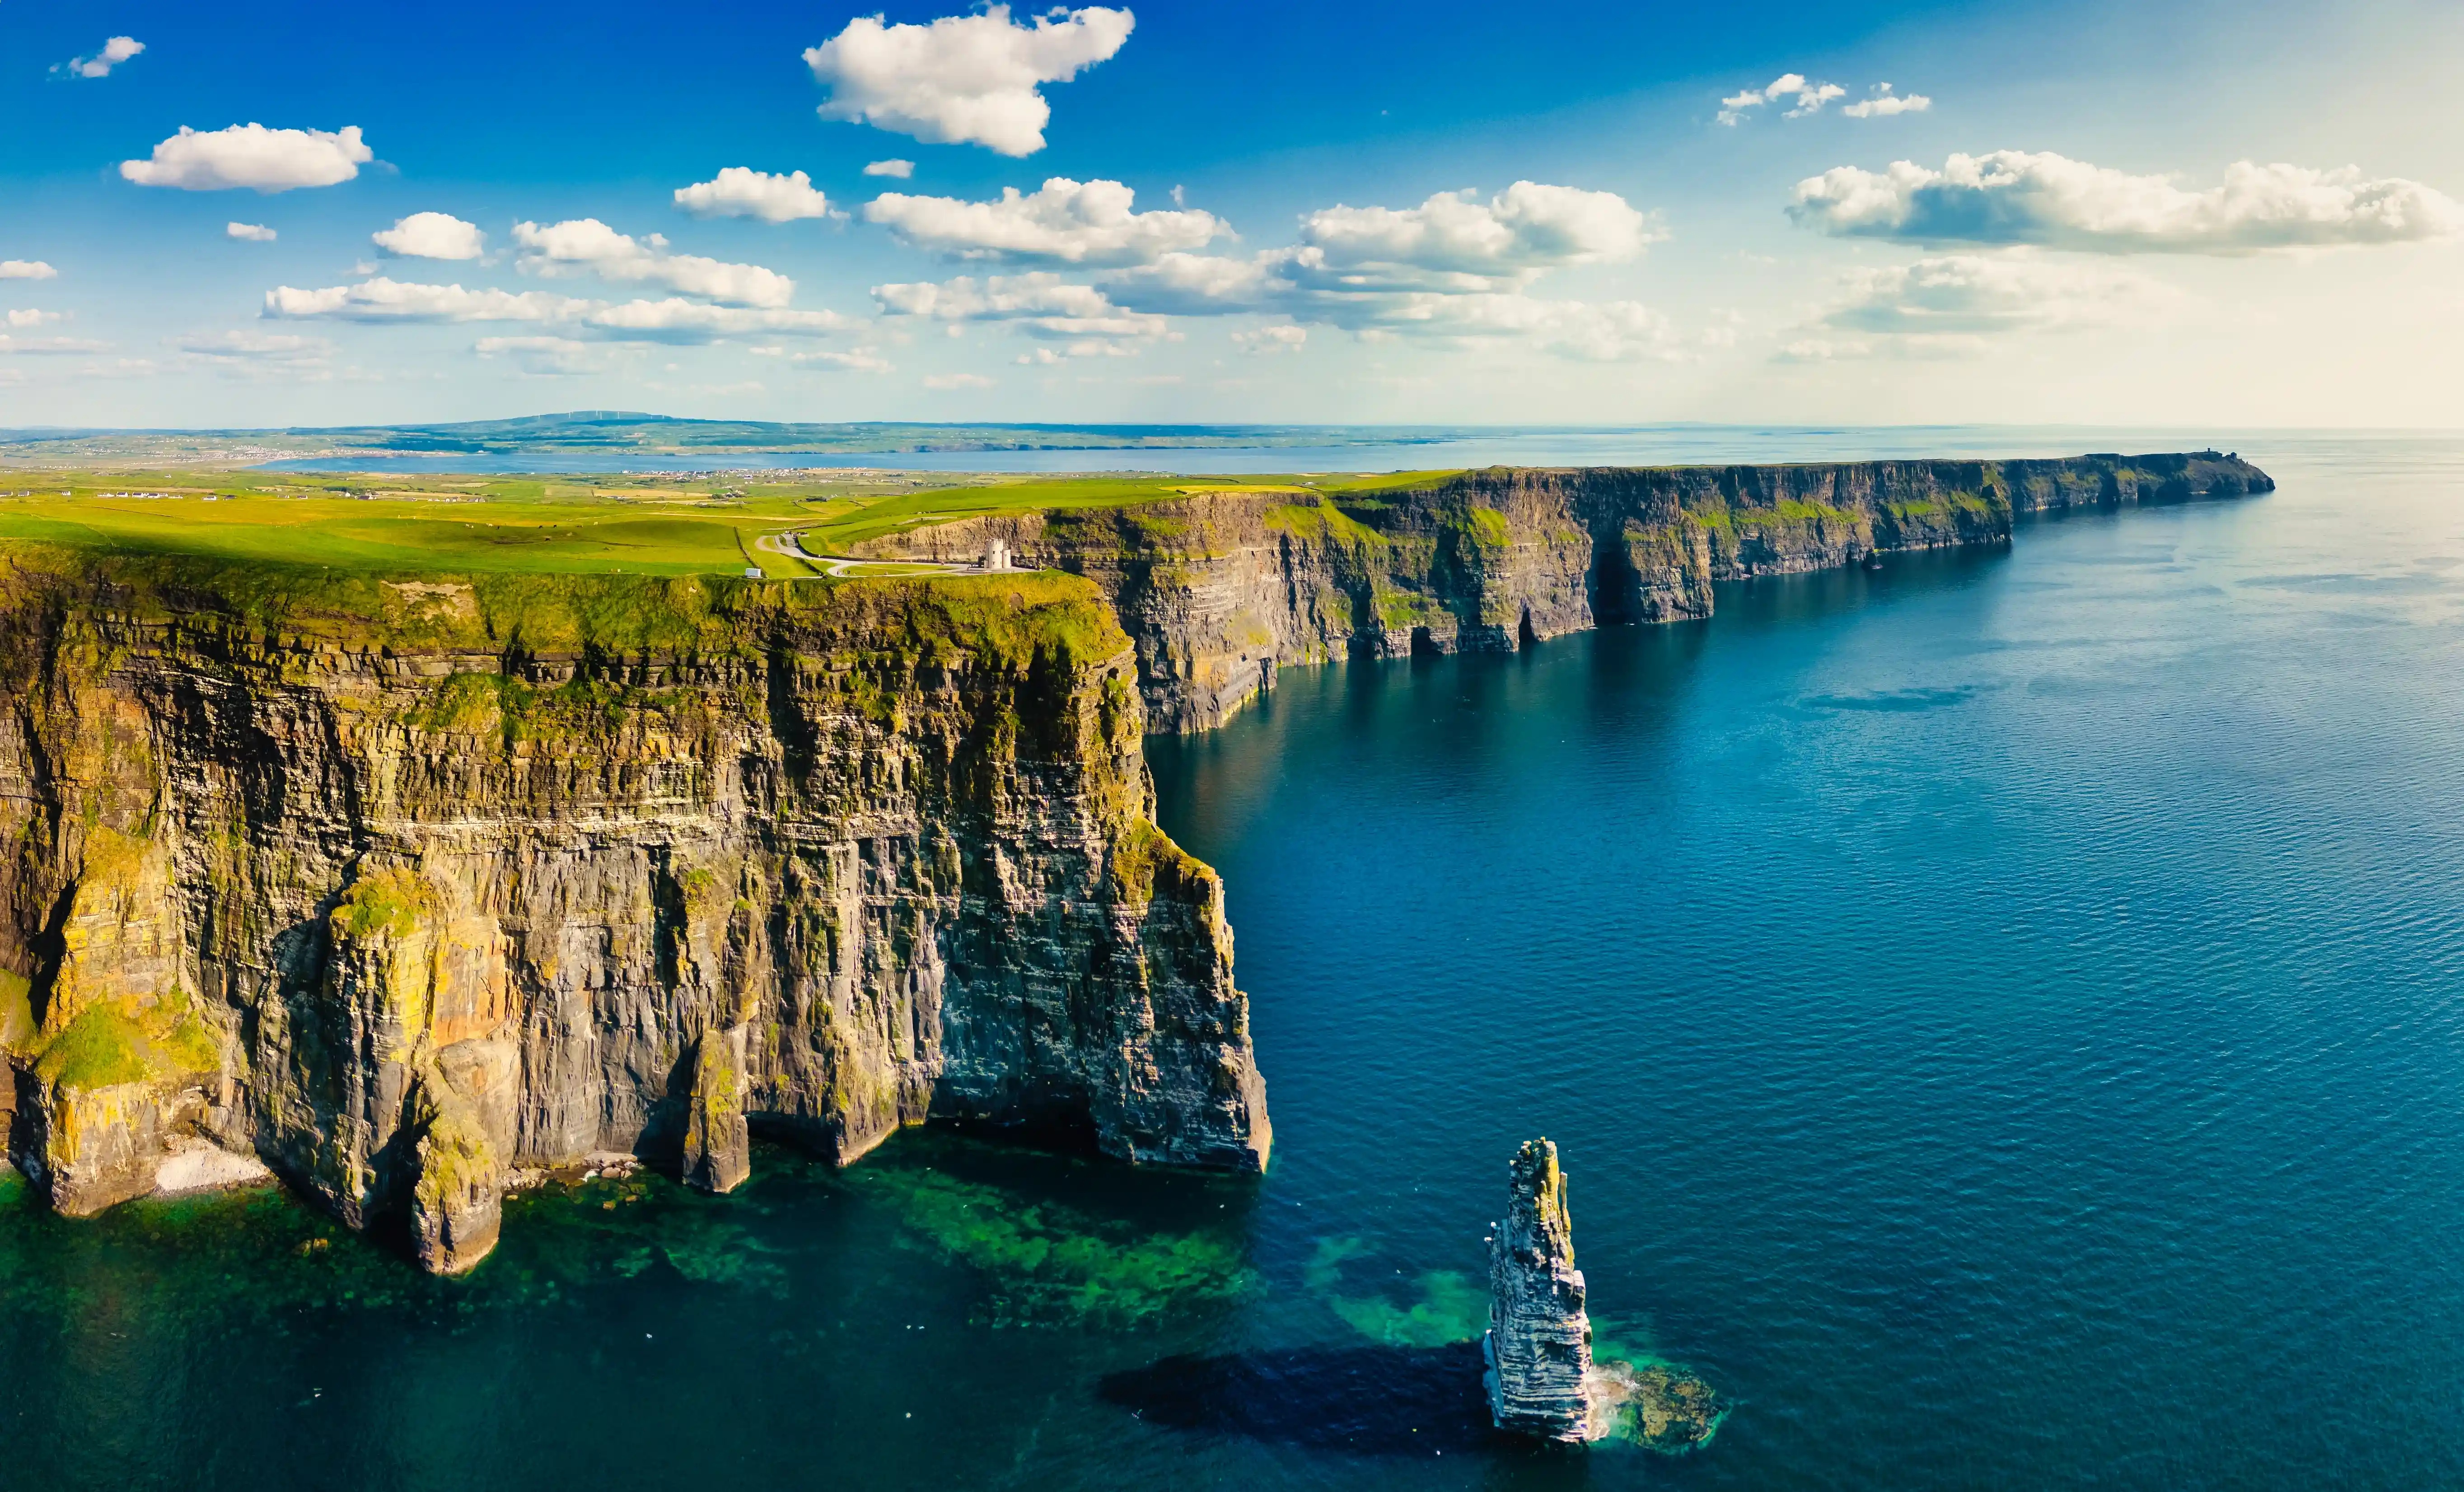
x: 548, y: 526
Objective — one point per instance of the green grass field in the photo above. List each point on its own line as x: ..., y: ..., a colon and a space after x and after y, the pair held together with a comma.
x: 547, y: 525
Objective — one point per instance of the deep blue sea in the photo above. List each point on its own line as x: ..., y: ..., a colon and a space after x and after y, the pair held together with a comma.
x: 2003, y: 1015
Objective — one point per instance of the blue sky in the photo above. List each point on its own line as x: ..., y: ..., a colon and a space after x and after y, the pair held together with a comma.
x: 2238, y: 214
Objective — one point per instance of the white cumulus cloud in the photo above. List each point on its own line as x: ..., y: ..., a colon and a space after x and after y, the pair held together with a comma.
x: 1884, y: 103
x: 1617, y: 331
x: 42, y: 347
x: 962, y: 80
x: 956, y: 380
x: 1612, y: 331
x: 902, y: 169
x: 552, y: 357
x: 2019, y: 197
x: 382, y: 299
x: 855, y: 360
x: 1951, y: 304
x: 27, y: 268
x: 1823, y: 349
x: 1458, y: 239
x: 588, y: 246
x: 115, y: 52
x: 251, y: 156
x: 1271, y: 338
x: 431, y: 235
x: 1062, y: 222
x: 250, y: 232
x: 1199, y: 284
x: 1454, y: 268
x: 1810, y: 97
x: 674, y: 319
x: 1040, y: 304
x: 1053, y: 356
x: 24, y: 319
x: 247, y: 346
x: 740, y: 192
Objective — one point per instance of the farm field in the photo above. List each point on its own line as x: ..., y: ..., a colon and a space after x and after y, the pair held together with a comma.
x: 550, y: 525
x: 590, y: 433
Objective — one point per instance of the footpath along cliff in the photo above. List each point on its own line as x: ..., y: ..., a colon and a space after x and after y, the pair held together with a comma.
x: 1219, y: 589
x: 406, y: 887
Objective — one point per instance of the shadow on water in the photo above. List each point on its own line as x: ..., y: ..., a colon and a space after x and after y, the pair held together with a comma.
x: 1465, y: 731
x: 1796, y: 601
x: 1367, y: 1400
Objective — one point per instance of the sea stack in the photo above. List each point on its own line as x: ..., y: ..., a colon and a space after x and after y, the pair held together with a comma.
x: 1539, y: 1344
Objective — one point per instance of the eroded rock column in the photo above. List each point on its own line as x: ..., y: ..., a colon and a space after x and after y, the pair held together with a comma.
x: 458, y: 1197
x: 1539, y: 1343
x: 718, y: 1144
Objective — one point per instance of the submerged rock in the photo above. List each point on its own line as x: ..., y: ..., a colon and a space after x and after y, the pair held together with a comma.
x: 1659, y: 1406
x: 1538, y: 1348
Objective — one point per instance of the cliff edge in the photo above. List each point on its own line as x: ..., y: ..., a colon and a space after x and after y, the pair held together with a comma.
x: 1219, y: 589
x: 406, y: 885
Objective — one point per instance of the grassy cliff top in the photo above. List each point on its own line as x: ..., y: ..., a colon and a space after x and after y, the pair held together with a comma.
x: 634, y: 524
x: 1006, y: 620
x: 577, y: 525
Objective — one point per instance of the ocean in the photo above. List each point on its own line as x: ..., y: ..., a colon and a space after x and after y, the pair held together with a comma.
x: 1358, y: 451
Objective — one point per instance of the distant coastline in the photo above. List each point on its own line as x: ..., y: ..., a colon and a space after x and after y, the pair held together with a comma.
x: 614, y: 443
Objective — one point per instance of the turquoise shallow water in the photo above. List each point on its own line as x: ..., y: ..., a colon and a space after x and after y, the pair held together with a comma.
x: 2001, y: 1013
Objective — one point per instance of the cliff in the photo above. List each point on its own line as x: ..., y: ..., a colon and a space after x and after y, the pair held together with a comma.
x: 1217, y: 590
x: 406, y: 887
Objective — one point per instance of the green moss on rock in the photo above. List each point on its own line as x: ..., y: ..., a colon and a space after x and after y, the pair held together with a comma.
x: 384, y: 901
x: 1489, y: 526
x: 112, y: 1043
x: 103, y: 1047
x: 1145, y: 856
x: 18, y: 1028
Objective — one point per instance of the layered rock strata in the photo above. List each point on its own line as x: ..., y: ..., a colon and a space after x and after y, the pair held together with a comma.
x: 1538, y: 1348
x: 1219, y: 589
x: 404, y: 886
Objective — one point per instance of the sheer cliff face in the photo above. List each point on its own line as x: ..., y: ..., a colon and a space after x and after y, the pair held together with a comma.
x: 403, y: 887
x: 1219, y: 590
